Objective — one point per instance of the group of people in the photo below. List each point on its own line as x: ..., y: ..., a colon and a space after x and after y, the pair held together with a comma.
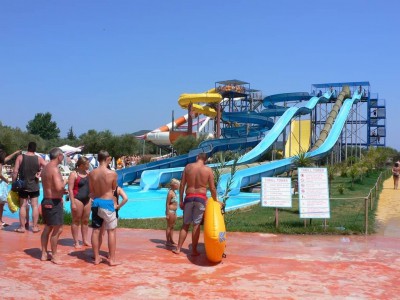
x: 231, y: 88
x: 98, y: 194
x: 128, y: 161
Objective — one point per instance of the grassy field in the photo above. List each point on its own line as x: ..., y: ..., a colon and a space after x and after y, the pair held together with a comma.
x: 347, y: 214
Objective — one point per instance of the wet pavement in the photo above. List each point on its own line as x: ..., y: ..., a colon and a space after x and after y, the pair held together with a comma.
x: 257, y: 266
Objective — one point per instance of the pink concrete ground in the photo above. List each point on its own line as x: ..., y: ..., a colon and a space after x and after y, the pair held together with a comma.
x: 257, y: 266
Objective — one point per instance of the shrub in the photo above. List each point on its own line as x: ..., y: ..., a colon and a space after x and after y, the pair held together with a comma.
x: 341, y: 189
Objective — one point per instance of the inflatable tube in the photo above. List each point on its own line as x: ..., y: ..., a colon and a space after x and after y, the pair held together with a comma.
x: 214, y: 231
x: 13, y: 201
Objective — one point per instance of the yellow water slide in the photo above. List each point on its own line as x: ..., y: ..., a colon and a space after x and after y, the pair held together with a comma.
x: 344, y: 94
x: 299, y: 139
x: 209, y: 97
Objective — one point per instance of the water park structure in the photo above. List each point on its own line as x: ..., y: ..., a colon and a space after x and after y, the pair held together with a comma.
x: 330, y: 123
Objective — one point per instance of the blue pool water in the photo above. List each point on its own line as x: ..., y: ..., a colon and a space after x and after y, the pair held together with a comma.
x: 151, y: 203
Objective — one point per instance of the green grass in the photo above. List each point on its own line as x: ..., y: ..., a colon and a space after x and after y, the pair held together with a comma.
x: 347, y: 214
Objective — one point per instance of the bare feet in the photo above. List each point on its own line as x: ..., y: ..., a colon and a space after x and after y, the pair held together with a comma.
x: 77, y: 245
x: 56, y: 261
x: 45, y: 256
x: 98, y: 261
x: 176, y: 251
x: 20, y: 230
x: 35, y: 229
x: 195, y: 253
x: 86, y: 244
x: 113, y: 263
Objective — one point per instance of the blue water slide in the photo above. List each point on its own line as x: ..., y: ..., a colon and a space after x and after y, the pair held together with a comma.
x: 286, y: 97
x: 129, y: 175
x: 272, y: 135
x: 253, y: 175
x: 243, y: 131
x: 154, y: 178
x: 261, y: 121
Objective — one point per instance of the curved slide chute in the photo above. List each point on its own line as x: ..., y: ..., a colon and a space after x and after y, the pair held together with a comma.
x: 162, y: 136
x: 272, y: 135
x: 129, y: 175
x: 209, y: 97
x: 154, y: 178
x: 253, y: 175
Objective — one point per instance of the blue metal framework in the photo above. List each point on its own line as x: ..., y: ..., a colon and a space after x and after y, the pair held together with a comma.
x: 364, y: 128
x: 366, y: 125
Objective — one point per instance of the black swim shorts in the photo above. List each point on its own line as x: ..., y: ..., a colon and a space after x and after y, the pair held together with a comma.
x: 52, y: 212
x: 97, y: 222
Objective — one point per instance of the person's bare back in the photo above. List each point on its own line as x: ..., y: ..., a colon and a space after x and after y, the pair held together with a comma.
x: 102, y: 183
x: 198, y: 177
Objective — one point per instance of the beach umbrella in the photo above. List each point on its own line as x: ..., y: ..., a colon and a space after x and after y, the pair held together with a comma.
x: 68, y: 148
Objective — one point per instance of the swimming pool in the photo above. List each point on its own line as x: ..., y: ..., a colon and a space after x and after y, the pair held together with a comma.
x: 151, y: 204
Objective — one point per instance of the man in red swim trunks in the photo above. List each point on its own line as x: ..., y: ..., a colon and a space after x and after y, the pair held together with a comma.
x: 196, y: 177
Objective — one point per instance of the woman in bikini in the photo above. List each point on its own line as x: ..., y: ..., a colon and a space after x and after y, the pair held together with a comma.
x: 78, y: 188
x: 170, y: 211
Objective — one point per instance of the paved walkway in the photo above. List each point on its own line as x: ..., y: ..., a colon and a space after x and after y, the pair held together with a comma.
x: 388, y: 211
x: 258, y: 266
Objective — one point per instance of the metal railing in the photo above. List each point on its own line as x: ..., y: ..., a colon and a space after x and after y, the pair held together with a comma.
x: 372, y: 198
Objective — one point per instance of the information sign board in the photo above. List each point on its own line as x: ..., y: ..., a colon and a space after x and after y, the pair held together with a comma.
x: 276, y: 192
x: 313, y: 193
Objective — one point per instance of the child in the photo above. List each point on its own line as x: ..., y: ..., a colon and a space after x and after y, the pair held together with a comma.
x: 171, y: 206
x: 4, y: 183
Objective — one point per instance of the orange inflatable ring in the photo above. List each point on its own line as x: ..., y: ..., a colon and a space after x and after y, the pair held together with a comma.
x: 214, y: 231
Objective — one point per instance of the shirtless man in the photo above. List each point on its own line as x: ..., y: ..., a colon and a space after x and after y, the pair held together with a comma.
x: 52, y: 204
x: 196, y: 177
x: 102, y: 183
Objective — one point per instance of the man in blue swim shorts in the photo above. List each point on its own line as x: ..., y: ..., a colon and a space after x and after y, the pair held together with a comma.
x: 102, y: 183
x: 195, y: 178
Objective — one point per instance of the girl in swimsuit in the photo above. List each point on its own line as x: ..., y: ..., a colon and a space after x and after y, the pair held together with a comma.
x: 119, y: 192
x: 170, y: 211
x: 78, y: 188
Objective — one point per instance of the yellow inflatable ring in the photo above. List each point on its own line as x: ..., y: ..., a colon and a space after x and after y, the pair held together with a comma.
x: 214, y: 231
x: 13, y: 201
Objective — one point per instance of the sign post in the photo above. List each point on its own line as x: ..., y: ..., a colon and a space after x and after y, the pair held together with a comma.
x: 276, y: 192
x: 313, y: 193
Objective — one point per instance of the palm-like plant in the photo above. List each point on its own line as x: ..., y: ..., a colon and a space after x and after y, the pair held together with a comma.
x: 302, y: 160
x: 221, y: 160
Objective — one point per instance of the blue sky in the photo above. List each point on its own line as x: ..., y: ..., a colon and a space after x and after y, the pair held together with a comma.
x: 121, y: 65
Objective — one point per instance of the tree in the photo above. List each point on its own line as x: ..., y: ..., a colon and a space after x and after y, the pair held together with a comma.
x: 43, y: 126
x: 71, y: 135
x: 185, y: 143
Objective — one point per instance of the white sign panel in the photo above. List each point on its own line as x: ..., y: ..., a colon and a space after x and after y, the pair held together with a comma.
x: 276, y: 192
x: 313, y: 193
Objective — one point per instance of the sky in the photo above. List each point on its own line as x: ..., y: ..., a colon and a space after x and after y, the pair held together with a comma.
x: 121, y: 65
